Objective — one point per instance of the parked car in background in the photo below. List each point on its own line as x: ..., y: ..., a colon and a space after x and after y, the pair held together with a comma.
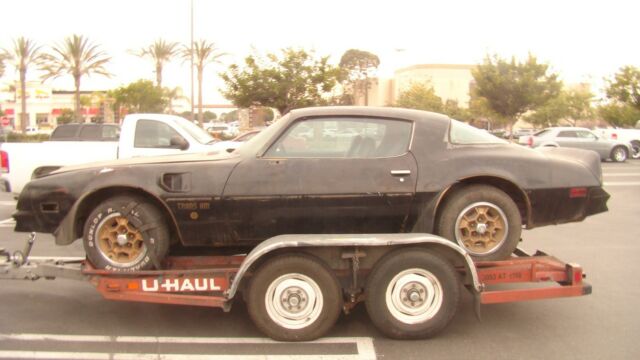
x: 141, y: 135
x: 86, y: 132
x: 231, y: 145
x: 631, y: 136
x: 216, y: 129
x: 580, y: 138
x: 400, y: 171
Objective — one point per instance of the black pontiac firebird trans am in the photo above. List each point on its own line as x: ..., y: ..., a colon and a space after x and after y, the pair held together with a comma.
x: 318, y: 171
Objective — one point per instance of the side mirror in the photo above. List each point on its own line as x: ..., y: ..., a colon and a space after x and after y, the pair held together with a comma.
x: 178, y: 142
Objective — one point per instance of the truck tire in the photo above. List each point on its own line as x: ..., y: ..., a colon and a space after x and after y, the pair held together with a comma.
x: 635, y: 149
x: 412, y: 294
x: 483, y: 220
x: 294, y: 297
x: 116, y: 232
x: 619, y: 154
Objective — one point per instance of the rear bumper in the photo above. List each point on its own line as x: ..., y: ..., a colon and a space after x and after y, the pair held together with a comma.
x: 558, y: 206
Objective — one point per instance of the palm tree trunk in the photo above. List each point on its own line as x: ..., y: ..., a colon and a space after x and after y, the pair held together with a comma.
x: 159, y: 75
x: 200, y: 71
x: 78, y: 114
x: 23, y: 101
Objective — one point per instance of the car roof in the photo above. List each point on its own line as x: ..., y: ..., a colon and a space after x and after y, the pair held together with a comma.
x: 390, y: 112
x: 566, y: 128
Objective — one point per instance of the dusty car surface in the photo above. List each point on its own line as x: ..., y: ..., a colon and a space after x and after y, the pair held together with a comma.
x: 383, y: 170
x: 579, y: 138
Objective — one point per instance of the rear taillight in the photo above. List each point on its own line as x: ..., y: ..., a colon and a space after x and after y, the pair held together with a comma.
x: 614, y: 136
x: 530, y: 141
x: 577, y: 192
x: 4, y: 161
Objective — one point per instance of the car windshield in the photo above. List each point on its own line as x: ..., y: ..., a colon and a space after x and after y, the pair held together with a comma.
x: 461, y: 133
x: 194, y: 130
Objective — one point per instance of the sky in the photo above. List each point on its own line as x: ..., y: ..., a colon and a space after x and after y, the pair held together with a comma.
x: 582, y: 41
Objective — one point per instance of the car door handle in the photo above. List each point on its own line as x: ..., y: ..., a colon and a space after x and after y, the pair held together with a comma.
x: 400, y: 172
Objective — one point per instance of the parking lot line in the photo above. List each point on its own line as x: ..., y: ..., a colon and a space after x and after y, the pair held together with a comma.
x: 621, y: 183
x: 364, y: 346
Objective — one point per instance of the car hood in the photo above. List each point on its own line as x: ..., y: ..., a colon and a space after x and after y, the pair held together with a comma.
x: 182, y: 158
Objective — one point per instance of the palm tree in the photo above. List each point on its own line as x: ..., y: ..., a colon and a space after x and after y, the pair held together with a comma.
x: 24, y: 54
x: 204, y: 53
x: 160, y: 52
x: 76, y: 56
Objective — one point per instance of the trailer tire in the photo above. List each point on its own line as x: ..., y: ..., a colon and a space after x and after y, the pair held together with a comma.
x: 412, y: 294
x: 294, y: 297
x: 117, y: 232
x: 492, y: 211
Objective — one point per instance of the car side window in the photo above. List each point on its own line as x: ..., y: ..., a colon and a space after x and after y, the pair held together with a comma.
x: 585, y: 135
x: 153, y: 134
x: 343, y: 138
x: 567, y: 134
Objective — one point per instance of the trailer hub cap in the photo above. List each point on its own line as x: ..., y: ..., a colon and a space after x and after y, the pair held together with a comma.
x: 118, y: 241
x: 414, y: 296
x: 294, y: 301
x: 481, y: 228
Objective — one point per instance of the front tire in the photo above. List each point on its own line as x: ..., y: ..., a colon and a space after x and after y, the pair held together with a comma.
x: 619, y: 154
x: 113, y: 239
x: 412, y: 294
x: 483, y: 220
x: 294, y: 298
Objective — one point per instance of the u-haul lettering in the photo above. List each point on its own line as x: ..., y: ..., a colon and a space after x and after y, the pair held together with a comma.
x: 180, y: 285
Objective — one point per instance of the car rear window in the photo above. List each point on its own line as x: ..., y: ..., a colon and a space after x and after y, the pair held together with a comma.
x: 65, y: 132
x: 90, y: 132
x: 464, y: 134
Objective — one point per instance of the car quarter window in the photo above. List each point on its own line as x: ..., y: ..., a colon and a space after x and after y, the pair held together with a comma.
x: 567, y: 134
x: 343, y: 138
x: 153, y: 134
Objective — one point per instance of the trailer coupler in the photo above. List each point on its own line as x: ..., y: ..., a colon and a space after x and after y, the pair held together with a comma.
x: 18, y: 266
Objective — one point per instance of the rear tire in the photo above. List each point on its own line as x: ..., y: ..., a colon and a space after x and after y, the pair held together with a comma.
x: 619, y: 154
x: 113, y: 240
x: 294, y: 297
x: 483, y: 220
x: 412, y: 294
x: 635, y: 149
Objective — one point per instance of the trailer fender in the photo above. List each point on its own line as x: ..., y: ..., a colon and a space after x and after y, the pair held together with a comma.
x: 346, y: 240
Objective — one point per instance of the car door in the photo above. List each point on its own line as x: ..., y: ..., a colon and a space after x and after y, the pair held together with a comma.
x: 590, y: 141
x: 326, y: 175
x: 567, y: 138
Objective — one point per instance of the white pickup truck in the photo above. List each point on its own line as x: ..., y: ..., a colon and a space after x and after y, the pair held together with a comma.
x: 140, y: 135
x: 631, y: 136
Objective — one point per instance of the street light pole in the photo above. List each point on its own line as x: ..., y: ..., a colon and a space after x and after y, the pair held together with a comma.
x: 191, y: 52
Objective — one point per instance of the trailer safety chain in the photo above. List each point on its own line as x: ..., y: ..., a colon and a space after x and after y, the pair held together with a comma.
x: 143, y: 228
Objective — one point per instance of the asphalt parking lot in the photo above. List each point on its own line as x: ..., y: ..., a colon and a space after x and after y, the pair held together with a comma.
x: 67, y: 319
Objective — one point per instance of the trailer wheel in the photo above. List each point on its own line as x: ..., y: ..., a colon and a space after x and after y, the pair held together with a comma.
x: 412, y: 294
x: 483, y: 220
x: 294, y: 298
x: 116, y: 232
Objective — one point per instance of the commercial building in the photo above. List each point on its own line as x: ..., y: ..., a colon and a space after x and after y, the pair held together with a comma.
x: 45, y: 105
x: 449, y: 81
